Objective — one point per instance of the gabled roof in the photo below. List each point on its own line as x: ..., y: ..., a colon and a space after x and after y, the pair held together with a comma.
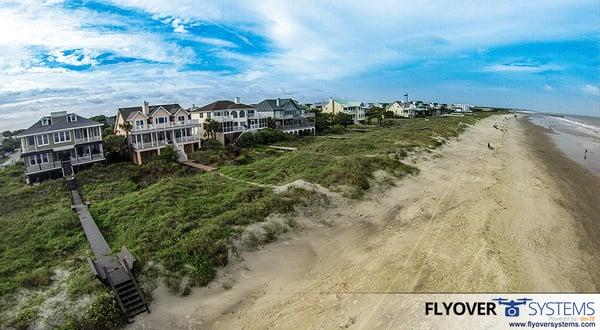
x: 58, y: 123
x: 284, y: 104
x: 346, y: 103
x: 128, y: 113
x: 223, y: 105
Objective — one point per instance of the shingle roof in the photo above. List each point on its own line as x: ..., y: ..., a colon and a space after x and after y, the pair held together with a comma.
x: 222, y: 105
x: 271, y: 105
x: 59, y: 123
x: 171, y: 108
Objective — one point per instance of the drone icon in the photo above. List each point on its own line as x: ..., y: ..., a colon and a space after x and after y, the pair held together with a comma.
x: 512, y: 309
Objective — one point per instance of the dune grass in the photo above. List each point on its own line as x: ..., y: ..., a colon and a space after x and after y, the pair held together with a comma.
x: 177, y: 217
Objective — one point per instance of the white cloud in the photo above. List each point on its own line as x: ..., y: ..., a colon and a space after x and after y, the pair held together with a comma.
x: 178, y: 27
x: 522, y: 68
x: 591, y: 90
x: 548, y: 88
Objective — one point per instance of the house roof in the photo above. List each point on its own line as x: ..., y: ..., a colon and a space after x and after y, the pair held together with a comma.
x: 346, y: 103
x: 58, y: 121
x: 284, y: 104
x: 223, y: 105
x: 128, y: 113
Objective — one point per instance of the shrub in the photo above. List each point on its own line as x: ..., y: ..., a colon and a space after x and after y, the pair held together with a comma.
x: 38, y: 277
x: 168, y: 154
x: 265, y: 136
x: 103, y: 313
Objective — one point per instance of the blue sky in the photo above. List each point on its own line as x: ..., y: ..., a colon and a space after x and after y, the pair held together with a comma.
x: 92, y: 57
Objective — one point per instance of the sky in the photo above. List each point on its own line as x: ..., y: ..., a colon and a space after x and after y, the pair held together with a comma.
x: 92, y: 57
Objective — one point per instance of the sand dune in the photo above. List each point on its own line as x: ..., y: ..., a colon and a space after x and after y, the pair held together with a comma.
x: 474, y: 220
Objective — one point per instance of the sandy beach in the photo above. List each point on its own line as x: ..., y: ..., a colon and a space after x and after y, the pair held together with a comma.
x: 520, y: 218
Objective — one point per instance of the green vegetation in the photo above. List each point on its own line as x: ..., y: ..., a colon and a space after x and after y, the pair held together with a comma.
x: 179, y: 219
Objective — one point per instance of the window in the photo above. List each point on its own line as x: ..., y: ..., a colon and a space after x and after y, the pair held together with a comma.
x: 42, y: 140
x: 72, y: 117
x: 201, y: 114
x: 45, y: 121
x: 38, y: 159
x: 161, y: 120
x: 208, y: 115
x: 242, y: 114
x: 226, y: 113
x: 63, y: 136
x: 139, y: 123
x: 234, y: 114
x: 181, y: 118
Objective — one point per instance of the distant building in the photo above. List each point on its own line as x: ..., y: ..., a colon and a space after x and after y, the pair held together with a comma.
x: 289, y: 115
x: 462, y: 108
x: 402, y: 109
x: 233, y: 119
x: 356, y: 109
x: 55, y: 144
x: 150, y: 128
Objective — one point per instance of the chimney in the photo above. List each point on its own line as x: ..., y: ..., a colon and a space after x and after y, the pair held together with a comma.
x: 145, y: 108
x: 236, y: 100
x: 278, y: 102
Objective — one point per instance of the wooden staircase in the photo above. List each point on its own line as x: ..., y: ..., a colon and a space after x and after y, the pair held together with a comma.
x: 114, y: 270
x: 129, y: 296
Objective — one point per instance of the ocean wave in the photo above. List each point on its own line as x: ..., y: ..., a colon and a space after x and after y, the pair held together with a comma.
x: 577, y: 124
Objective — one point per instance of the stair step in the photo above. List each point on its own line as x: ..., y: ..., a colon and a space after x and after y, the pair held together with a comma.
x: 133, y: 303
x: 125, y: 287
x: 131, y: 300
x: 127, y: 292
x: 128, y: 296
x: 135, y: 306
x: 124, y: 284
x: 137, y: 311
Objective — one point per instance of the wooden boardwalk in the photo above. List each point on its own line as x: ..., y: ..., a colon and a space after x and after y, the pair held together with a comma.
x: 97, y: 242
x: 201, y: 167
x: 113, y: 270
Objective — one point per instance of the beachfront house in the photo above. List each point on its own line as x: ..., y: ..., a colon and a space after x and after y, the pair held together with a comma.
x: 289, y: 115
x: 150, y: 128
x: 356, y: 109
x: 55, y: 144
x: 402, y: 109
x: 227, y: 120
x: 464, y: 108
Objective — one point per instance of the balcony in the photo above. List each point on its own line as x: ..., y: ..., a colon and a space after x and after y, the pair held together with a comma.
x: 222, y: 119
x: 233, y: 129
x: 43, y: 167
x: 279, y: 115
x: 88, y: 139
x: 161, y: 143
x: 295, y: 126
x: 254, y: 127
x: 169, y: 125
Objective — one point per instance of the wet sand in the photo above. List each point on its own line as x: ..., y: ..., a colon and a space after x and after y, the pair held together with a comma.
x: 518, y: 218
x: 579, y: 189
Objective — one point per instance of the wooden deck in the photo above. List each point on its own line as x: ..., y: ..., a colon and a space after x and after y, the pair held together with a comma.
x: 201, y: 167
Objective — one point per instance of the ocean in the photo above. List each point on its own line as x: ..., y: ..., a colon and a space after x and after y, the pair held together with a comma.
x: 573, y: 135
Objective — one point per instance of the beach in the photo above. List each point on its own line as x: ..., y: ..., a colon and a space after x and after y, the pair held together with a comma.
x: 520, y: 216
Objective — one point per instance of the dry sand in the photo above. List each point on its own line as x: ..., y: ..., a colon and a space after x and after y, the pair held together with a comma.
x: 474, y: 220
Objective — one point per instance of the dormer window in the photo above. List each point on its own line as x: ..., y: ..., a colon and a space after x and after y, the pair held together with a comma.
x: 45, y: 121
x: 72, y: 118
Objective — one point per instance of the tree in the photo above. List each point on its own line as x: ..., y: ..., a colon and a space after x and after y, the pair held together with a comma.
x: 343, y: 119
x: 168, y: 154
x: 126, y: 126
x: 6, y: 134
x: 9, y: 145
x: 211, y: 126
x: 115, y: 148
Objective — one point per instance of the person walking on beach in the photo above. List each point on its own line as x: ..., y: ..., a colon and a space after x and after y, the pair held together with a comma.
x: 585, y: 154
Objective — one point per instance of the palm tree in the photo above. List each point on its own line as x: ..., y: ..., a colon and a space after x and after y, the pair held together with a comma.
x: 126, y: 126
x: 212, y: 126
